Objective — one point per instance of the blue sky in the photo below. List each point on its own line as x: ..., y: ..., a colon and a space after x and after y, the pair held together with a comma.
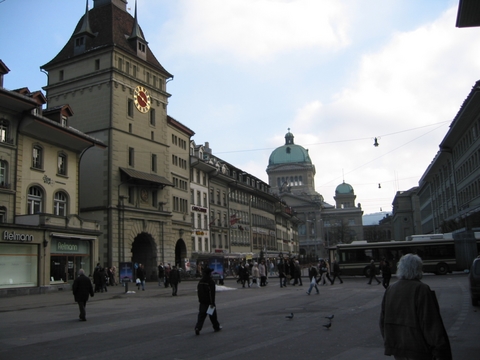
x: 338, y: 73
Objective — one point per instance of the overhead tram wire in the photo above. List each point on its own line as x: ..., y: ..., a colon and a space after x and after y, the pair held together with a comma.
x: 342, y: 141
x: 375, y: 159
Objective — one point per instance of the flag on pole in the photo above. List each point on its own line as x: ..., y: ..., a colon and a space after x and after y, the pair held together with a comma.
x: 233, y: 219
x: 211, y: 223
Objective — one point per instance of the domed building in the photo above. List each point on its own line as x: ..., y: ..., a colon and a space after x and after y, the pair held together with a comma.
x: 291, y: 176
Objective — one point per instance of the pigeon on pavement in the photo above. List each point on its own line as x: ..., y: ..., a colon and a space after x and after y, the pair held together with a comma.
x: 289, y: 316
x: 329, y: 317
x: 328, y: 326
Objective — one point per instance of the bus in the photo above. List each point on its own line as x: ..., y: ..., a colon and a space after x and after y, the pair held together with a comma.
x: 441, y: 253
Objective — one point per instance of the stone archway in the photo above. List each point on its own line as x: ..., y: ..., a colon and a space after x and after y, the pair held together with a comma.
x: 144, y: 252
x: 180, y: 253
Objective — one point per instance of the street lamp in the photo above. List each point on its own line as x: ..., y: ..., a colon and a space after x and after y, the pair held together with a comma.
x: 314, y: 221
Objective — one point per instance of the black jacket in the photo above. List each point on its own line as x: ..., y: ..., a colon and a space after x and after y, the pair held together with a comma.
x: 82, y: 287
x: 174, y: 276
x: 206, y: 290
x: 411, y: 323
x: 140, y: 273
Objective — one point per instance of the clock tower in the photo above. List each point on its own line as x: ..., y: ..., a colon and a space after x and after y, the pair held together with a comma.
x: 108, y: 74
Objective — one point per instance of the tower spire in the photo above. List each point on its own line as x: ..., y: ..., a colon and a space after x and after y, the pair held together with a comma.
x: 85, y: 28
x: 136, y: 33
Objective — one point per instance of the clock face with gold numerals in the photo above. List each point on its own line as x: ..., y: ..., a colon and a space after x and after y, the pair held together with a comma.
x: 141, y: 99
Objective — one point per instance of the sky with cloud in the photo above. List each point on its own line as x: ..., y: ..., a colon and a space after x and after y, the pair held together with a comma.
x: 337, y: 73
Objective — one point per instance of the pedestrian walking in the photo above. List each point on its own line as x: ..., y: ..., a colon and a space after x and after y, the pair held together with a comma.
x: 386, y: 273
x: 297, y: 273
x: 161, y: 275
x: 255, y: 275
x: 373, y: 271
x: 262, y: 269
x: 206, y: 298
x: 140, y: 273
x: 174, y: 280
x: 82, y: 288
x: 281, y: 273
x: 410, y: 319
x: 312, y: 275
x: 336, y: 272
x: 323, y: 269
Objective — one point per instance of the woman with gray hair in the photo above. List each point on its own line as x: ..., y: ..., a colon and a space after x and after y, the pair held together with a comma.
x: 410, y: 319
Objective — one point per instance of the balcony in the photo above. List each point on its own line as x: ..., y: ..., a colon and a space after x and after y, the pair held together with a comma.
x: 50, y: 220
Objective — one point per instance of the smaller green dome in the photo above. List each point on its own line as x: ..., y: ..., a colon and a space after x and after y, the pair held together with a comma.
x: 344, y: 188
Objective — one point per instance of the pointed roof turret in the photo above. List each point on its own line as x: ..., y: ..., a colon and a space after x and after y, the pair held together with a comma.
x: 85, y: 27
x: 136, y: 33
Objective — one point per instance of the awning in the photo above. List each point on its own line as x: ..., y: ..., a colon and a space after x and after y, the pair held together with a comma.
x: 143, y: 177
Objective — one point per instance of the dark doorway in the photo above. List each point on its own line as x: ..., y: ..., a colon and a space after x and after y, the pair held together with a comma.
x: 144, y: 252
x: 180, y: 253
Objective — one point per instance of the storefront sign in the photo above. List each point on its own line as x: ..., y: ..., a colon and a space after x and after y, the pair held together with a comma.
x: 199, y: 209
x: 13, y: 236
x: 65, y: 246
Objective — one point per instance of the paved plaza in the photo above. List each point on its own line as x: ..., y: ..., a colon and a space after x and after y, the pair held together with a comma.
x: 152, y: 324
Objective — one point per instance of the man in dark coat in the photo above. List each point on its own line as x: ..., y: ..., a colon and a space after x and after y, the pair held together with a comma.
x: 82, y: 288
x: 281, y: 273
x: 206, y: 298
x: 336, y: 273
x: 174, y: 280
x: 373, y: 271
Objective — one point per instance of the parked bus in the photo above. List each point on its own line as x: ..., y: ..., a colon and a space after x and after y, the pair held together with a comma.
x: 441, y: 253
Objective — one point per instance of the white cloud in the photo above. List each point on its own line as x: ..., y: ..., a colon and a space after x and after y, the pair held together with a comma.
x: 257, y: 30
x: 418, y: 78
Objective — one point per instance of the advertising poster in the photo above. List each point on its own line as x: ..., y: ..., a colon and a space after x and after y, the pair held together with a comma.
x: 126, y: 272
x: 217, y: 265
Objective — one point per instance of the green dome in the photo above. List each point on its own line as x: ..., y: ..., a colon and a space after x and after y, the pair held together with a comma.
x: 344, y: 189
x: 289, y: 153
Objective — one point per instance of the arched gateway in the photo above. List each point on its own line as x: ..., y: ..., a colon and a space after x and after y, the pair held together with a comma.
x: 180, y: 253
x: 144, y: 252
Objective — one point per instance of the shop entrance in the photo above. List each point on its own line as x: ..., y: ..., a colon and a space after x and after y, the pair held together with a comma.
x: 144, y: 252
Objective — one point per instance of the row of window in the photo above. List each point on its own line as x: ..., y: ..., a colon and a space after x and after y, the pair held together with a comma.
x: 289, y: 181
x: 178, y: 161
x: 197, y: 221
x: 469, y: 193
x: 218, y: 242
x: 468, y: 139
x: 199, y: 177
x: 201, y: 198
x: 469, y: 166
x: 36, y: 202
x: 180, y: 205
x: 37, y: 160
x: 131, y: 113
x: 200, y: 244
x: 180, y: 184
x: 179, y: 142
x: 132, y: 69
